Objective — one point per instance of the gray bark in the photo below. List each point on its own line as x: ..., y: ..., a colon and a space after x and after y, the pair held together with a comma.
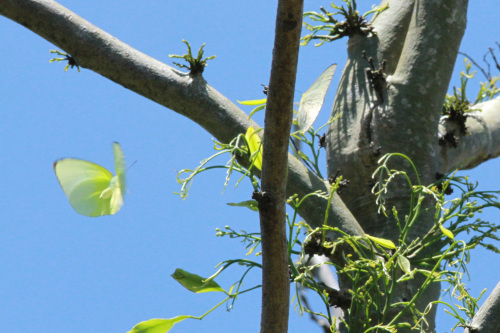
x: 487, y: 319
x: 420, y: 41
x: 480, y: 144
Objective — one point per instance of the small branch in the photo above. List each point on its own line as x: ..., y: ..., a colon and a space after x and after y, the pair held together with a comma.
x: 486, y: 75
x: 272, y: 200
x: 481, y: 144
x: 487, y: 319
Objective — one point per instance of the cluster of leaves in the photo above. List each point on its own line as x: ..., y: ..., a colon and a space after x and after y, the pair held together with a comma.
x: 457, y: 106
x: 374, y: 267
x: 353, y: 23
x: 196, y: 65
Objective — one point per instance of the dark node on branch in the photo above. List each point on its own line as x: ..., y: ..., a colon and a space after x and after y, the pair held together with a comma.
x: 343, y: 183
x: 314, y: 245
x: 264, y: 199
x: 339, y: 298
x: 449, y: 139
x: 378, y: 84
x: 266, y: 88
x: 377, y: 151
x: 196, y: 65
x: 322, y: 140
x: 448, y: 190
x: 66, y: 57
x: 376, y: 78
x: 456, y: 110
x: 439, y: 175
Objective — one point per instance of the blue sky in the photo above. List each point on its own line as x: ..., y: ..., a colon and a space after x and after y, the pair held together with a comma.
x: 63, y: 272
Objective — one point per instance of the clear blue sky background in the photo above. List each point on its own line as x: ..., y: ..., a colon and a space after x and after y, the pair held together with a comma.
x: 62, y: 272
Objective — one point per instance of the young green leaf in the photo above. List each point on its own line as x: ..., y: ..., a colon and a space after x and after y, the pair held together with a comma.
x: 251, y: 204
x: 157, y: 325
x: 381, y: 241
x: 404, y: 264
x: 312, y: 100
x: 257, y: 109
x: 254, y: 102
x: 255, y: 147
x: 447, y: 232
x: 195, y: 283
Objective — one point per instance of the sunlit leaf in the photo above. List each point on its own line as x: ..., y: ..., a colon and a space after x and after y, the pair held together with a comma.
x: 257, y: 109
x: 251, y: 204
x: 254, y: 102
x: 157, y: 325
x: 312, y: 100
x: 447, y: 232
x: 255, y: 147
x: 382, y: 242
x: 195, y: 283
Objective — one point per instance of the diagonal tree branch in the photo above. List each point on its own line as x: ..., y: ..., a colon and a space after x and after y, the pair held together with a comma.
x: 192, y: 97
x: 487, y: 319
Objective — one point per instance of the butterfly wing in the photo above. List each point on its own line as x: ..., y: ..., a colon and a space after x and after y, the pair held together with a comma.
x: 83, y: 182
x: 119, y: 184
x: 120, y: 166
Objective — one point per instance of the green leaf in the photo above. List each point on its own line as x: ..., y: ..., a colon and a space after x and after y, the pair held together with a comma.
x: 447, y: 232
x: 312, y: 100
x: 381, y: 241
x: 254, y: 102
x: 195, y: 283
x: 255, y: 147
x: 257, y: 109
x: 157, y: 325
x: 251, y: 204
x: 404, y: 264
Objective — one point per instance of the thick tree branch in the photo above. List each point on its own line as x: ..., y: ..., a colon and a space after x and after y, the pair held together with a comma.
x: 189, y: 96
x: 487, y: 319
x: 272, y: 198
x: 480, y: 144
x: 418, y: 41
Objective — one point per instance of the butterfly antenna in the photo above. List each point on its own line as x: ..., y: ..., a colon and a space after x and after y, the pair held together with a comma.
x: 131, y: 165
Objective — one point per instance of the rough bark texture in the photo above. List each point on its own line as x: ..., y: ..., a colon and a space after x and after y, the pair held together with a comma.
x: 272, y: 199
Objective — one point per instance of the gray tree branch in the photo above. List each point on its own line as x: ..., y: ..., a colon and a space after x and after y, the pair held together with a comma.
x: 487, y: 319
x: 419, y: 40
x: 480, y: 144
x: 189, y: 96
